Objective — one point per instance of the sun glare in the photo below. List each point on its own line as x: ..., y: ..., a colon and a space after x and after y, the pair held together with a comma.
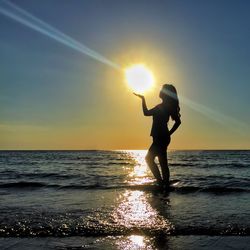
x: 139, y: 78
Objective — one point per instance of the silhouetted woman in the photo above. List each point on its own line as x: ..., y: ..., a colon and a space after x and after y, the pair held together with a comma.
x: 160, y: 132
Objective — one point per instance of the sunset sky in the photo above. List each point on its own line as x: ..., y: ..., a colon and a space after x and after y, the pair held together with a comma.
x: 55, y: 97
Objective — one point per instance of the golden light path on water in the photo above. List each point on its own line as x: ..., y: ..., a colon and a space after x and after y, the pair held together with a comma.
x: 134, y: 242
x: 138, y: 210
x: 138, y: 175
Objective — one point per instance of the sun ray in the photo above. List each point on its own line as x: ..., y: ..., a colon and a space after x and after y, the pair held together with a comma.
x: 22, y: 16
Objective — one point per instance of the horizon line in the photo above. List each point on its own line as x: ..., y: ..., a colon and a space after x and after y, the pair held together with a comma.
x: 201, y: 149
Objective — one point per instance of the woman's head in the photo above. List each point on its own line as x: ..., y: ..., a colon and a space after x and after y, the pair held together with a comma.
x: 169, y: 96
x: 168, y: 92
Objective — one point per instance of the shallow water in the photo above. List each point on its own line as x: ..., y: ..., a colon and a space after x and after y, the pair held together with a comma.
x: 131, y: 242
x: 108, y: 193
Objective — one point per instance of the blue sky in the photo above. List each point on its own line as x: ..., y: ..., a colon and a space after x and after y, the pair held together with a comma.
x: 201, y: 46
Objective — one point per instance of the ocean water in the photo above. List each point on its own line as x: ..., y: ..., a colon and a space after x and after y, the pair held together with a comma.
x: 104, y: 200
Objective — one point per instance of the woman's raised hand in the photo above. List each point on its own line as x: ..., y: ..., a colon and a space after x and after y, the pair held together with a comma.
x: 140, y: 96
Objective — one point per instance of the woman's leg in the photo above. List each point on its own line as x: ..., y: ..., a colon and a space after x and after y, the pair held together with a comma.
x: 163, y: 160
x: 164, y: 168
x: 152, y: 165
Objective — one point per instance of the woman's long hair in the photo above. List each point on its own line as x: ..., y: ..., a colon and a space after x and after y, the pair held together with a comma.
x: 170, y: 99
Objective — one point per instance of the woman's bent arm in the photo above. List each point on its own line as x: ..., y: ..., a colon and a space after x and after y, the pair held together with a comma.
x: 175, y: 126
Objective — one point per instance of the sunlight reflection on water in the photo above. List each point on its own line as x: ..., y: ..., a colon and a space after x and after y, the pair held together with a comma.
x: 134, y: 242
x: 137, y: 240
x: 141, y: 213
x: 135, y: 211
x: 140, y: 173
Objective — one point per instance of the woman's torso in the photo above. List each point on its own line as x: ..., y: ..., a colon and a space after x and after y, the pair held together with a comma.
x: 160, y: 122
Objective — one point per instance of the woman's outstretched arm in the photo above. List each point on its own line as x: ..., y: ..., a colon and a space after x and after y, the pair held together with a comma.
x: 146, y: 111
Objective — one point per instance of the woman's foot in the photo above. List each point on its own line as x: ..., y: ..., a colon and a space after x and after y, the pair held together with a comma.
x: 160, y: 183
x: 166, y: 185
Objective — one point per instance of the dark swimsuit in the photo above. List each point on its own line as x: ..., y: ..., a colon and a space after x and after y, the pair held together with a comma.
x: 159, y: 131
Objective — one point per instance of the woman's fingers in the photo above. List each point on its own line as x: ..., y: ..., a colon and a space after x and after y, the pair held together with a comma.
x: 141, y: 96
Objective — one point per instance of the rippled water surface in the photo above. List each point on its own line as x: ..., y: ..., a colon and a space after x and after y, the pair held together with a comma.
x: 112, y: 194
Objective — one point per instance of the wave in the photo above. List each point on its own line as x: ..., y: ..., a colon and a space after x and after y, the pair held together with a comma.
x: 183, y: 189
x: 143, y: 187
x: 65, y: 230
x: 25, y: 184
x: 188, y: 164
x: 119, y: 163
x: 213, y: 231
x: 46, y: 175
x: 215, y: 190
x: 93, y: 186
x: 188, y: 189
x: 224, y: 165
x: 17, y: 175
x: 201, y: 164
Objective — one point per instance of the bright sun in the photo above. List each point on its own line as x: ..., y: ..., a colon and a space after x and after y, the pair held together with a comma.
x: 139, y: 78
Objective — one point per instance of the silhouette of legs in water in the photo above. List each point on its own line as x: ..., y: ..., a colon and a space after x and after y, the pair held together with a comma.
x: 159, y: 149
x: 153, y: 167
x: 164, y: 168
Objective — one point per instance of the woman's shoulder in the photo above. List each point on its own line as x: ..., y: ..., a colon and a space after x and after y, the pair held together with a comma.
x: 163, y: 107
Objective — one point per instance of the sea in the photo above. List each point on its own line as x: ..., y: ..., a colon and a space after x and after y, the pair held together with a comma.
x: 108, y: 200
